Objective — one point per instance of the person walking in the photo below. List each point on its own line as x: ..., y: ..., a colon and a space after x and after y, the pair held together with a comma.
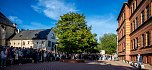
x: 3, y: 57
x: 139, y: 61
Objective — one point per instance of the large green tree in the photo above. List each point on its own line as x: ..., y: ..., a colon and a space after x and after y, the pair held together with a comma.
x: 108, y: 42
x: 74, y: 36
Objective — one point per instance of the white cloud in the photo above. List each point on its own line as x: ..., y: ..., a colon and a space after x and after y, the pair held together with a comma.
x: 102, y: 24
x: 15, y: 19
x: 53, y: 8
x: 32, y: 25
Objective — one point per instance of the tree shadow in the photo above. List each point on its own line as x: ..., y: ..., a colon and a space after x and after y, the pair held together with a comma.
x: 67, y: 66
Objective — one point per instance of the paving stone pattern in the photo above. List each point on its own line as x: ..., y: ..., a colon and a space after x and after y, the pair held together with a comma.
x: 64, y: 66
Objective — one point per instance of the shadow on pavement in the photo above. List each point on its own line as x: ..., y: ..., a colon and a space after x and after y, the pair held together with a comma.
x: 66, y: 66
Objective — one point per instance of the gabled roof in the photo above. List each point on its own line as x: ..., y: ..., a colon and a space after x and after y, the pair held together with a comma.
x: 32, y: 35
x: 4, y: 20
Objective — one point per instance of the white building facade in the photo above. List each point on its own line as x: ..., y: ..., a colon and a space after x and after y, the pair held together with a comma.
x: 38, y: 39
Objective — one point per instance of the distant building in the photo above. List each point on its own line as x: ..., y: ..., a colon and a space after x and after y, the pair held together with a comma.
x: 103, y: 52
x: 135, y: 31
x: 38, y: 39
x: 7, y: 30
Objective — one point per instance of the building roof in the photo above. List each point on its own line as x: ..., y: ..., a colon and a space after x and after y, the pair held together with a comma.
x: 124, y: 4
x: 129, y: 1
x: 32, y: 34
x: 4, y: 20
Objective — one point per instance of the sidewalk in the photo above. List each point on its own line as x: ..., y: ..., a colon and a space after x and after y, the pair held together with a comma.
x: 118, y: 63
x: 147, y: 67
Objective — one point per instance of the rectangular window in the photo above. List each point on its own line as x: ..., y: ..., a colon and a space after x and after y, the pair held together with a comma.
x: 124, y: 47
x: 23, y: 43
x: 122, y: 32
x: 37, y: 42
x: 131, y: 27
x: 142, y: 17
x: 148, y: 39
x: 136, y: 23
x: 136, y: 44
x: 143, y: 40
x: 53, y: 44
x: 42, y: 42
x: 49, y: 44
x: 28, y: 42
x: 148, y: 11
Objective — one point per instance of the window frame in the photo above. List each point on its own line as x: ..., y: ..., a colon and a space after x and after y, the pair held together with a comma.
x: 142, y: 17
x: 23, y: 43
x: 148, y: 12
x: 148, y: 34
x: 143, y: 40
x: 136, y: 23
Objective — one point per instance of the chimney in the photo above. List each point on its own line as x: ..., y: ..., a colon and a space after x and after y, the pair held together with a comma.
x: 18, y: 30
x: 15, y: 25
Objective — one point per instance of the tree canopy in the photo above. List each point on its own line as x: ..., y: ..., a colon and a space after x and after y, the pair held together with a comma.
x: 108, y: 42
x: 74, y: 36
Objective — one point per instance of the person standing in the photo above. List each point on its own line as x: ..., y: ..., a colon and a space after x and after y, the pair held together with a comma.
x: 3, y: 57
x: 11, y: 55
x: 20, y: 55
x: 44, y: 55
x: 38, y: 55
x: 139, y: 61
x: 16, y: 55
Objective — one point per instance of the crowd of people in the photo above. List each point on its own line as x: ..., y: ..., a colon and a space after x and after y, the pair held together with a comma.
x: 17, y: 55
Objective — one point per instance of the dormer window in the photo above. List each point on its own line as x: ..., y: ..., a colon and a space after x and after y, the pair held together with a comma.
x: 3, y: 27
x: 20, y: 36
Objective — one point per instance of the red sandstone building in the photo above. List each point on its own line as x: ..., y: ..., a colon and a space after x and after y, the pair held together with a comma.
x: 135, y: 31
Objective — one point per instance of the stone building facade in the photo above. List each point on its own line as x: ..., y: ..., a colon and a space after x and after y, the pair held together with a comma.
x: 135, y: 31
x: 7, y: 30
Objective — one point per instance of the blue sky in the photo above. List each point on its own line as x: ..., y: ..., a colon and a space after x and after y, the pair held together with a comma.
x: 43, y: 14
